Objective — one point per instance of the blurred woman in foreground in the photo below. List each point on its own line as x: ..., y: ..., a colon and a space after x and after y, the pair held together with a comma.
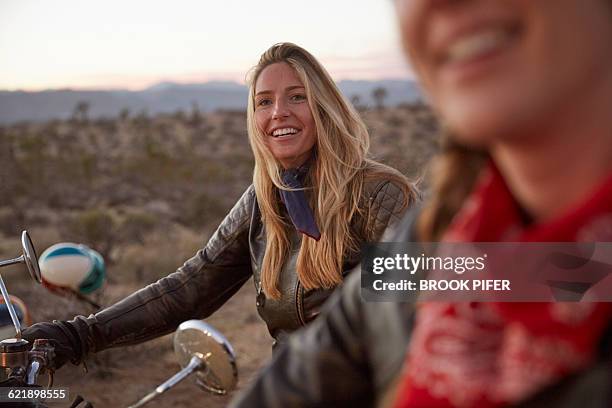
x: 525, y: 89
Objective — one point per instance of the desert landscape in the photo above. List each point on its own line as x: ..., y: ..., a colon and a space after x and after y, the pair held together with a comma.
x: 146, y: 192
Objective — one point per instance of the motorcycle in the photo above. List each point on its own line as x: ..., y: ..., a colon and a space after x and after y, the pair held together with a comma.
x: 200, y: 349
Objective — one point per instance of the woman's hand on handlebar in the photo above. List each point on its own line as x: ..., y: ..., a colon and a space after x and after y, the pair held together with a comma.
x: 61, y: 336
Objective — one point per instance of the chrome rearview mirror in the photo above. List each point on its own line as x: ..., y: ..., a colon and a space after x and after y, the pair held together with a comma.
x: 197, y: 338
x: 202, y: 350
x: 29, y: 258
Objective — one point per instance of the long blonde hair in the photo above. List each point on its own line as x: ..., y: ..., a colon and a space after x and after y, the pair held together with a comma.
x: 335, y: 178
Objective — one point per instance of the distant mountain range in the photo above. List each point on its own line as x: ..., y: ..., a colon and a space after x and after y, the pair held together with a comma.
x: 166, y: 97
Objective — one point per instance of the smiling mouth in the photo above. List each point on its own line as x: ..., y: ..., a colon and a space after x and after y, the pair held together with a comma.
x: 284, y: 132
x: 479, y: 44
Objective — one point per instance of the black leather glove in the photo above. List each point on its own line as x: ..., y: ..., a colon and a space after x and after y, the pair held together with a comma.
x: 62, y: 336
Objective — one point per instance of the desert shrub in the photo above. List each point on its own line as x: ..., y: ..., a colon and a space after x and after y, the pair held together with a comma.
x: 180, y: 115
x: 395, y: 120
x: 9, y: 178
x: 124, y: 115
x: 96, y: 227
x: 201, y: 209
x: 160, y: 254
x: 196, y: 119
x: 8, y: 221
x: 135, y: 225
x: 31, y: 152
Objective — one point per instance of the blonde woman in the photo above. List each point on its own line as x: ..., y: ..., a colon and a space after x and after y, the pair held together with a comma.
x: 315, y: 199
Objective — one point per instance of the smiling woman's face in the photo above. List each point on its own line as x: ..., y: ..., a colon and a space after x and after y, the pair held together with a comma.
x: 283, y: 115
x: 503, y: 68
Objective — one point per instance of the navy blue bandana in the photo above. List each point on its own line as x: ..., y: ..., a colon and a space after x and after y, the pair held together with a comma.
x: 296, y: 203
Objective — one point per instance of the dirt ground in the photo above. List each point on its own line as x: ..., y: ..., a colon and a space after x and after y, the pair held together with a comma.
x: 119, y: 377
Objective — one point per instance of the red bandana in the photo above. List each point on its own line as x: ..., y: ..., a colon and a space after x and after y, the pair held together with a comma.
x: 493, y: 354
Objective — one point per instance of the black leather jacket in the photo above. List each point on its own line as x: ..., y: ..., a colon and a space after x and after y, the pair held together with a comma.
x: 353, y: 354
x: 216, y: 272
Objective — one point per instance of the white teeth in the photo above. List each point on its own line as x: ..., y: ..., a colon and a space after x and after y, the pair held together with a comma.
x: 284, y: 131
x: 476, y: 44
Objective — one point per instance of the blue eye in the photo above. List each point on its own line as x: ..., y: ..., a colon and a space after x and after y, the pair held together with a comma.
x: 263, y: 102
x: 298, y: 97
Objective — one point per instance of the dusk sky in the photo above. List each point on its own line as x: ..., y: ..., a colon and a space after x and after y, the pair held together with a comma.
x: 136, y: 43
